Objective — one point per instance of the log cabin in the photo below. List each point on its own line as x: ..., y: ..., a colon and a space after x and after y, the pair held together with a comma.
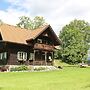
x: 30, y: 47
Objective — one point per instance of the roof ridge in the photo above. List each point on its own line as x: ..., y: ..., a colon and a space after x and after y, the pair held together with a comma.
x: 14, y: 26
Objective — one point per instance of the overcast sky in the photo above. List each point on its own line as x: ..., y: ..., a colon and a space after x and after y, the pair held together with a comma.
x: 56, y: 12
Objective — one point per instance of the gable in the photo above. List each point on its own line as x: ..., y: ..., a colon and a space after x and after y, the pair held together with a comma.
x: 50, y: 34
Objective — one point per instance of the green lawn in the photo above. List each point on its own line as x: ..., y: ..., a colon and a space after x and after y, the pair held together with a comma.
x: 69, y: 78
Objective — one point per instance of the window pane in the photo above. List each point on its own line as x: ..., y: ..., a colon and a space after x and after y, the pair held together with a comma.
x: 25, y: 56
x: 39, y: 41
x: 31, y: 56
x: 3, y: 55
x: 22, y: 55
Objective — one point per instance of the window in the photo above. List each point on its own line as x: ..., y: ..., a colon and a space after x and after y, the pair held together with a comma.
x: 3, y: 55
x: 44, y: 41
x: 31, y: 56
x: 22, y: 56
x: 39, y: 41
x: 50, y: 58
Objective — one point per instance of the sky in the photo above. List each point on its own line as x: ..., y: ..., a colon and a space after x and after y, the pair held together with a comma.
x: 57, y: 13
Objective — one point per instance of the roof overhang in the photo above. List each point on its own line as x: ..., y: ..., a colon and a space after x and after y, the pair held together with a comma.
x: 57, y: 41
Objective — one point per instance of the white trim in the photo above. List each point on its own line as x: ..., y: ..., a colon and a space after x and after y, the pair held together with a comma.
x: 3, y: 55
x: 50, y: 58
x: 31, y: 56
x: 39, y: 40
x: 22, y: 55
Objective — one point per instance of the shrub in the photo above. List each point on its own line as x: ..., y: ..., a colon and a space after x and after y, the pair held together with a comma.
x: 39, y: 68
x: 20, y: 68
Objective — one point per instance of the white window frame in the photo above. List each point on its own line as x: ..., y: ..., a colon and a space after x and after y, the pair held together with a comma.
x: 22, y: 56
x: 3, y: 55
x: 50, y: 58
x: 39, y: 40
x: 31, y: 56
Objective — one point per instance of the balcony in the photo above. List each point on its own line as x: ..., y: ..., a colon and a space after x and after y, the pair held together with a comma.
x: 44, y: 47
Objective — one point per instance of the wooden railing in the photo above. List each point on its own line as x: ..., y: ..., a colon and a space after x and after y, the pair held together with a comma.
x: 40, y: 63
x: 43, y: 47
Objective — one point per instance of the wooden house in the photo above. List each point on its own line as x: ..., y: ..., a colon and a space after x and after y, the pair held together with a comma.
x: 29, y: 47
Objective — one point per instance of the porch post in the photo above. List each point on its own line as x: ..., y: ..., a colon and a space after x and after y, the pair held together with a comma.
x: 34, y: 56
x: 46, y: 58
x: 52, y: 58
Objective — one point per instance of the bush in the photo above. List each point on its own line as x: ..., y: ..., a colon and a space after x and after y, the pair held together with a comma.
x: 39, y: 68
x: 20, y: 68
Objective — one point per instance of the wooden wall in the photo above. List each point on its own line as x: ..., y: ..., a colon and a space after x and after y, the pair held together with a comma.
x: 12, y: 53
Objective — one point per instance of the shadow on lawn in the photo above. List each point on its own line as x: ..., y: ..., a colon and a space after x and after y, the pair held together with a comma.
x: 87, y: 86
x: 0, y: 88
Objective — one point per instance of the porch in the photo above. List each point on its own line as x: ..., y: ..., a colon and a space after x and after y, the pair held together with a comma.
x: 42, y: 58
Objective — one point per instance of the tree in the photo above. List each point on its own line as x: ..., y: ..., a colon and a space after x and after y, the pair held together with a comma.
x: 26, y: 22
x: 75, y: 40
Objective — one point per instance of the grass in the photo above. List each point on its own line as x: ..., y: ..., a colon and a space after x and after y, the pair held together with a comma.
x: 60, y: 63
x: 69, y: 78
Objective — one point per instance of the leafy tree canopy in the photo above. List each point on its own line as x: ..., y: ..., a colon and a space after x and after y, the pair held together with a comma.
x: 26, y: 22
x: 75, y: 38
